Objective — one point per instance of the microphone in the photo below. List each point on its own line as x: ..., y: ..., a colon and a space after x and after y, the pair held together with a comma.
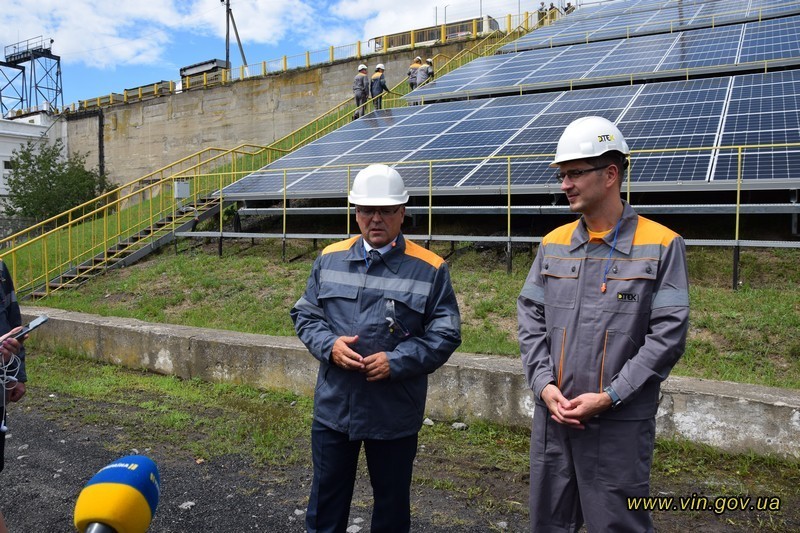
x: 120, y: 498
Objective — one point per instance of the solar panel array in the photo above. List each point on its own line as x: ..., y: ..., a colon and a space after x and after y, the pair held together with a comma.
x: 691, y: 133
x: 639, y: 57
x: 470, y: 142
x: 630, y: 19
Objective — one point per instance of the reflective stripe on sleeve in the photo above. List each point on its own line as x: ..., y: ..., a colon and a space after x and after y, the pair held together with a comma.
x: 306, y: 306
x: 671, y: 298
x: 533, y: 292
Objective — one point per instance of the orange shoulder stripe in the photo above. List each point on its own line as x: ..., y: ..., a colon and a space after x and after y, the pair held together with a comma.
x: 415, y: 250
x: 340, y: 246
x: 650, y: 232
x: 561, y: 235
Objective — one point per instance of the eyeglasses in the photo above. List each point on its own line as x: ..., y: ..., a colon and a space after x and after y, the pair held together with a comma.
x: 384, y: 212
x: 577, y: 173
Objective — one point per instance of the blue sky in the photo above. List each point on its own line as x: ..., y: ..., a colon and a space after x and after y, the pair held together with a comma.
x: 111, y: 46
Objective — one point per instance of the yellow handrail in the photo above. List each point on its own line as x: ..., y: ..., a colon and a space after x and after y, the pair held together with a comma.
x: 126, y: 217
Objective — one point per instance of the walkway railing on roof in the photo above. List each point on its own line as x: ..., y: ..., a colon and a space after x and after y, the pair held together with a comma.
x: 343, y: 113
x: 510, y: 24
x: 93, y: 235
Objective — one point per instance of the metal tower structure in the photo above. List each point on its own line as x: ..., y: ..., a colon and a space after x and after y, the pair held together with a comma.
x: 41, y: 88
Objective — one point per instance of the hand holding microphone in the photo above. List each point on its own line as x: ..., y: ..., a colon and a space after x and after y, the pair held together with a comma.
x: 121, y: 498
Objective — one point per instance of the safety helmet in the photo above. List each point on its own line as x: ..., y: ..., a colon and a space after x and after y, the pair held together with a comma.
x: 429, y: 61
x: 361, y: 67
x: 378, y: 185
x: 418, y: 59
x: 589, y: 137
x: 380, y: 66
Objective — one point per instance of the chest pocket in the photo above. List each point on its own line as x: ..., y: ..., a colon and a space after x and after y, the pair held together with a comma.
x: 630, y: 285
x: 561, y: 281
x: 405, y: 313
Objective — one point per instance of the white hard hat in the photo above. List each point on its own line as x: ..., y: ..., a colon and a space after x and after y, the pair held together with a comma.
x: 589, y: 137
x: 417, y: 58
x: 378, y: 185
x: 429, y: 60
x: 362, y: 66
x: 380, y: 66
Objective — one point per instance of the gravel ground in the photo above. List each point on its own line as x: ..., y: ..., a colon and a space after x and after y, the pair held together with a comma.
x: 50, y: 456
x: 49, y: 461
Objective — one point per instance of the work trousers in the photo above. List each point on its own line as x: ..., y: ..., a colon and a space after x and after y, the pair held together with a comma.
x: 377, y: 101
x: 587, y: 475
x: 335, y: 459
x: 361, y: 100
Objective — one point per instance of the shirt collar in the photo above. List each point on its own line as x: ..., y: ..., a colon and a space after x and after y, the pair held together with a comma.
x: 627, y: 229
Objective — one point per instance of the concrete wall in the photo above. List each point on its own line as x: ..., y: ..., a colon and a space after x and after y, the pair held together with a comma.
x: 732, y: 417
x: 141, y: 137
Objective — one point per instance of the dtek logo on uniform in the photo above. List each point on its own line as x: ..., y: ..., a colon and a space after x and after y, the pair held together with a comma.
x: 605, y: 138
x: 627, y: 297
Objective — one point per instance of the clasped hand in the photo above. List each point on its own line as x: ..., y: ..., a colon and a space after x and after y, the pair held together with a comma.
x: 375, y: 366
x: 575, y: 412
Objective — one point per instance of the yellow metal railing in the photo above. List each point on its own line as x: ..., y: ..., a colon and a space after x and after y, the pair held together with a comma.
x: 505, y: 166
x: 134, y: 215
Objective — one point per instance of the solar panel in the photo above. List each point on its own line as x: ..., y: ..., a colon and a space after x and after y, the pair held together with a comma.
x: 629, y: 19
x: 723, y: 47
x: 763, y: 110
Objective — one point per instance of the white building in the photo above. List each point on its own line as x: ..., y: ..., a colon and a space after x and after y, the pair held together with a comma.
x: 14, y: 134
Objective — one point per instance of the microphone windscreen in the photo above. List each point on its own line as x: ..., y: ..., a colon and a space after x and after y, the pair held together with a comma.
x: 122, y: 495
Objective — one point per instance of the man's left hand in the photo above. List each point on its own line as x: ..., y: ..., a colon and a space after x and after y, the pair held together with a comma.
x: 16, y: 393
x: 585, y: 406
x: 376, y: 366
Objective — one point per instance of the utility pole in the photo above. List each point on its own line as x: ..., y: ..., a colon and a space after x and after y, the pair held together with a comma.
x: 227, y: 32
x: 228, y: 21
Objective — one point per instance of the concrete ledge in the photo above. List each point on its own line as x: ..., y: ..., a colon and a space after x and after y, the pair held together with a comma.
x: 731, y: 416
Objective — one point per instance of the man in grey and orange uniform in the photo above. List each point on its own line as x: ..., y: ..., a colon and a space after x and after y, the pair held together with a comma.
x: 380, y: 314
x: 603, y: 317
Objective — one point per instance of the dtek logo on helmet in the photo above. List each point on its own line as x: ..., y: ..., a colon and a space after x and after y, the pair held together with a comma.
x: 605, y: 138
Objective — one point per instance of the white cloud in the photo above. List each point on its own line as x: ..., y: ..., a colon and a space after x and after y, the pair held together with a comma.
x: 93, y: 33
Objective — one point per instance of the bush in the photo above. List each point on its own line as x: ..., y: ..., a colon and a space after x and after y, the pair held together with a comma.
x: 43, y: 183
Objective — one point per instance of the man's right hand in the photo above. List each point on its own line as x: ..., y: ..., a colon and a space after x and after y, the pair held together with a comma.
x: 344, y: 357
x: 10, y: 347
x: 553, y: 399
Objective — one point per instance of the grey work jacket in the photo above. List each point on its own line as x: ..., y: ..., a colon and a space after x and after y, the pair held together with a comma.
x: 10, y: 318
x: 361, y: 84
x: 402, y: 304
x: 583, y: 340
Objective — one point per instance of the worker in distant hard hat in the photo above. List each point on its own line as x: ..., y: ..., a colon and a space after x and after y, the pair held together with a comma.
x: 378, y: 86
x: 425, y: 72
x: 360, y: 90
x: 412, y: 73
x: 380, y: 314
x: 603, y: 317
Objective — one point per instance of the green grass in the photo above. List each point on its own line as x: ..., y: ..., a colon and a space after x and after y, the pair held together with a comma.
x: 206, y: 419
x: 748, y: 335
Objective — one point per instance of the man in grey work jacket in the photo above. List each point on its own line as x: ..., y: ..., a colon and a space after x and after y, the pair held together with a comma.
x: 380, y: 314
x: 12, y: 359
x: 603, y: 317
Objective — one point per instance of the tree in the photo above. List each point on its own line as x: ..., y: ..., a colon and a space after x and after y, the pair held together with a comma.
x: 43, y: 183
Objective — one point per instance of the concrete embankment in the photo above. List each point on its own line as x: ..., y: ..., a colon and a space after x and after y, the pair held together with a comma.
x: 729, y: 416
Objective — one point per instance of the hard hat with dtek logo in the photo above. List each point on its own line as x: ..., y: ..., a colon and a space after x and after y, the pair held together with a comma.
x: 589, y: 137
